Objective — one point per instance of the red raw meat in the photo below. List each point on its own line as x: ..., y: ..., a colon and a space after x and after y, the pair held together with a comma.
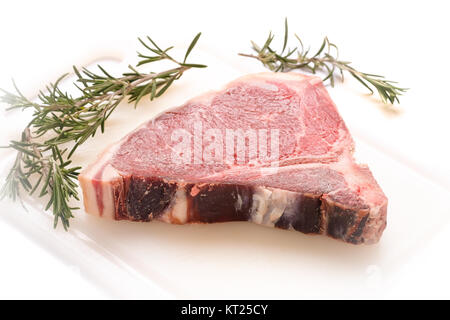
x: 313, y: 186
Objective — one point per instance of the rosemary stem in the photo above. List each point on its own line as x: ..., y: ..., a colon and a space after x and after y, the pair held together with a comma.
x: 326, y: 60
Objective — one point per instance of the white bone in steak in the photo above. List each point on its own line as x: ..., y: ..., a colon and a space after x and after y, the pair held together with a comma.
x: 318, y: 188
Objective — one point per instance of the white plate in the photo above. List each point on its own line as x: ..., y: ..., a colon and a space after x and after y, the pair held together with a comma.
x: 240, y: 260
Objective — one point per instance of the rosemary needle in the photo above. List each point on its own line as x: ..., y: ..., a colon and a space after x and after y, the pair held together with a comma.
x: 326, y: 59
x: 65, y: 122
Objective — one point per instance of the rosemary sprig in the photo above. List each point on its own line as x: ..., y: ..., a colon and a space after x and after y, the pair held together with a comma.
x: 326, y: 59
x: 61, y: 123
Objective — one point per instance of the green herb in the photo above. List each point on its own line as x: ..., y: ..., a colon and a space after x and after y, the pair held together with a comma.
x: 326, y: 59
x: 43, y: 157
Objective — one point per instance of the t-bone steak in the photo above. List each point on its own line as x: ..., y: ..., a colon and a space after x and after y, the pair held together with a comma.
x: 313, y: 185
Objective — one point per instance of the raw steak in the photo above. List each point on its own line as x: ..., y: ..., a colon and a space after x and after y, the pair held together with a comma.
x: 313, y: 185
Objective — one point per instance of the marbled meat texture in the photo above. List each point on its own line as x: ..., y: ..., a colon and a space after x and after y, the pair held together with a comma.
x: 317, y: 189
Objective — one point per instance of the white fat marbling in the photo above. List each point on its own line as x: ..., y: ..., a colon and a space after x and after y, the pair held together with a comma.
x: 179, y: 210
x: 270, y: 204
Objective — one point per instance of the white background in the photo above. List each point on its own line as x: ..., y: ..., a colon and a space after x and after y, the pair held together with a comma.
x: 404, y: 40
